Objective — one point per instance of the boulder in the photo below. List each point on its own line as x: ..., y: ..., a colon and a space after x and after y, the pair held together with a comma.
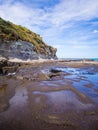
x: 55, y: 70
x: 9, y: 69
x: 3, y: 63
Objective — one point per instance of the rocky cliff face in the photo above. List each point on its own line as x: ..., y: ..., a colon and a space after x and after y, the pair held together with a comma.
x: 25, y: 50
x: 19, y: 42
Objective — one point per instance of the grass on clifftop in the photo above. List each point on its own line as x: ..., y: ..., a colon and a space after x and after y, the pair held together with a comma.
x: 10, y: 31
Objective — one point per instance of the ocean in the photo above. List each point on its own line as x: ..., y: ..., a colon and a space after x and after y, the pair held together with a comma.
x: 94, y: 59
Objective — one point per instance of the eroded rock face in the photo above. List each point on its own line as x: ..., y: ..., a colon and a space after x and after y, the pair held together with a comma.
x: 7, y: 67
x: 25, y: 50
x: 10, y: 69
x: 3, y: 63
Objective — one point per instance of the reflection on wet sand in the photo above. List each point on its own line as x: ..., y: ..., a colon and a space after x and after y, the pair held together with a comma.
x: 66, y: 99
x: 3, y: 104
x: 3, y: 89
x: 58, y: 103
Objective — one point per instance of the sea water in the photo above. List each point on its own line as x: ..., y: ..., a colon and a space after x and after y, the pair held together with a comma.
x: 76, y: 59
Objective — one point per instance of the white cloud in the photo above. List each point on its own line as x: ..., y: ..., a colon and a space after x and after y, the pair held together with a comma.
x: 81, y: 46
x: 74, y: 10
x: 61, y: 14
x: 95, y: 31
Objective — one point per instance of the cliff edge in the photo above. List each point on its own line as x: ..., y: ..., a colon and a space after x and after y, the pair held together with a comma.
x: 19, y: 42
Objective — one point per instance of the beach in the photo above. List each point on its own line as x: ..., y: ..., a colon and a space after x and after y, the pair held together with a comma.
x: 50, y: 95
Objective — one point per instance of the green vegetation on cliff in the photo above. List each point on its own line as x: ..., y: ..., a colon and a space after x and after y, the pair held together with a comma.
x: 12, y: 32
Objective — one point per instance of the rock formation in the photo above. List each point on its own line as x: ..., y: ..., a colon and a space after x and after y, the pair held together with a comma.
x: 19, y: 42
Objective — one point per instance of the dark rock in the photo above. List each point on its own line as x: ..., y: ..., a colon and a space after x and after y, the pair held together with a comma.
x: 25, y: 50
x: 30, y: 73
x: 55, y: 70
x: 7, y: 70
x: 55, y: 74
x: 3, y: 63
x: 7, y: 67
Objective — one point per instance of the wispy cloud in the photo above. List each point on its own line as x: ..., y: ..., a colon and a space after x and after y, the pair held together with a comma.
x: 95, y: 31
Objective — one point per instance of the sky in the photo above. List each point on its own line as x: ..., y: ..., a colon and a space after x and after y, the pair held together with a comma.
x: 71, y: 26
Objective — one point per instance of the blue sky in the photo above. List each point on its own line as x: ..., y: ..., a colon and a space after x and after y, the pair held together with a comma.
x: 69, y: 25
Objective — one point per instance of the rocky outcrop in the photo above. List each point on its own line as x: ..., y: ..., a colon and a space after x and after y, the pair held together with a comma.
x: 19, y: 42
x: 7, y: 67
x: 25, y: 50
x: 3, y: 63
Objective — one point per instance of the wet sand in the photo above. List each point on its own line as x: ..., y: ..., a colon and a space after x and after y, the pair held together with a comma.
x: 66, y: 101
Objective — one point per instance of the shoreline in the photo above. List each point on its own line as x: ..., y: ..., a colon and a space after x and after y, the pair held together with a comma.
x: 38, y: 61
x: 54, y: 60
x: 43, y: 97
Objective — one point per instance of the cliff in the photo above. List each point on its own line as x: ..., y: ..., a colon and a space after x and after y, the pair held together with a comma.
x: 19, y: 42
